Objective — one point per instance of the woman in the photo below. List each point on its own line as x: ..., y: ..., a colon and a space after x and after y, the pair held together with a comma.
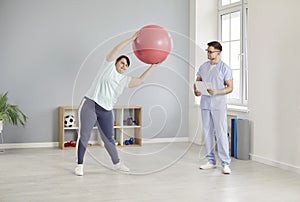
x: 96, y: 107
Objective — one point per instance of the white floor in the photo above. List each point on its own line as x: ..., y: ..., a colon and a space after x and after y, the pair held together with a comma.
x: 160, y: 172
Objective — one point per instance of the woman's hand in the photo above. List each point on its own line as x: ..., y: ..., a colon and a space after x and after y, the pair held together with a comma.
x: 136, y: 34
x: 116, y: 50
x: 136, y: 81
x: 155, y: 65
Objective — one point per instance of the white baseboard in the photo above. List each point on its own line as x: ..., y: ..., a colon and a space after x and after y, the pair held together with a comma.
x: 55, y: 144
x: 198, y: 142
x: 277, y: 164
x: 29, y: 145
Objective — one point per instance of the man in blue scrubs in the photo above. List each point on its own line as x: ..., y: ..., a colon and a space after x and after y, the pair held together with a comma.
x: 214, y: 107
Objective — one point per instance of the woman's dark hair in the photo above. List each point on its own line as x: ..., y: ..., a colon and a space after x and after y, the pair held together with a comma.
x: 126, y: 58
x: 216, y: 45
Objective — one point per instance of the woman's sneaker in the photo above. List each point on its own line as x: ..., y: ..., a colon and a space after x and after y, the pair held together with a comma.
x: 121, y: 167
x: 79, y: 170
x: 207, y: 166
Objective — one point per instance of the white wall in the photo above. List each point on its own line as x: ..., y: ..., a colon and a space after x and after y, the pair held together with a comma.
x: 274, y: 90
x: 204, y: 23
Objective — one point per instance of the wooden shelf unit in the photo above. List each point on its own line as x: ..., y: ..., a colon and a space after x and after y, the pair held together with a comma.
x: 127, y: 124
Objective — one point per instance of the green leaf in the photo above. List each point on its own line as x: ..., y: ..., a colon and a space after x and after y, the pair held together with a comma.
x: 11, y: 113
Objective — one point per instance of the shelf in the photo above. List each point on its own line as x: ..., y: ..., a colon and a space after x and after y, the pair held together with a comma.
x: 89, y: 146
x: 124, y: 117
x: 75, y: 128
x: 131, y: 126
x: 130, y: 145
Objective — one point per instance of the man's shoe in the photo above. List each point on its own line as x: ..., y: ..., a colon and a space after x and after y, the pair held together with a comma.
x: 226, y: 169
x: 79, y: 170
x: 207, y: 166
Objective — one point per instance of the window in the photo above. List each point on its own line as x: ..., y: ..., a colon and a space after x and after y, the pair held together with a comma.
x: 227, y: 2
x: 233, y: 16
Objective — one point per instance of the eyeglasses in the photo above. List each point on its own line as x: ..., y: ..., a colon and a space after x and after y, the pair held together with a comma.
x: 211, y: 52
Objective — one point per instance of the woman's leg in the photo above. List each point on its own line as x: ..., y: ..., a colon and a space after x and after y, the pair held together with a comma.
x: 87, y: 120
x: 105, y: 125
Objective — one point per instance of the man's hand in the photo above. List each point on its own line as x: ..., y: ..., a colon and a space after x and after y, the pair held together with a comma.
x: 197, y: 93
x: 213, y: 92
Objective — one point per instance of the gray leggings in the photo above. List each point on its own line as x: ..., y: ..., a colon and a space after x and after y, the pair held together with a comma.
x: 90, y: 113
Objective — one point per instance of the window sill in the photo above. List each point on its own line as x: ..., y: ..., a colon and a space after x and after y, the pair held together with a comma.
x: 233, y: 108
x: 236, y: 108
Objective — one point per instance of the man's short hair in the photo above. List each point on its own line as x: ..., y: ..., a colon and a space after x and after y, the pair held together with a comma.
x: 216, y: 45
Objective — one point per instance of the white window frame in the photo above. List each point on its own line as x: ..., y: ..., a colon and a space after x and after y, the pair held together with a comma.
x: 242, y: 7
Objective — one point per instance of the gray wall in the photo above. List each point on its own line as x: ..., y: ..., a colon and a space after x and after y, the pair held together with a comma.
x: 50, y: 51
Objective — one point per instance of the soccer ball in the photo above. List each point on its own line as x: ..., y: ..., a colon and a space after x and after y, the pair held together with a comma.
x: 69, y: 121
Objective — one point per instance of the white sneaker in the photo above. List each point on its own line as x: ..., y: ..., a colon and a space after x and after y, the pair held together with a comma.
x: 121, y: 167
x: 226, y: 169
x: 79, y: 170
x: 207, y: 166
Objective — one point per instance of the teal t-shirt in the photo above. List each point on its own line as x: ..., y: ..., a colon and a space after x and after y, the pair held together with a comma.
x: 108, y: 85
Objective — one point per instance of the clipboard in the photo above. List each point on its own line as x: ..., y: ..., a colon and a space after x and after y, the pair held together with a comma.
x: 202, y: 86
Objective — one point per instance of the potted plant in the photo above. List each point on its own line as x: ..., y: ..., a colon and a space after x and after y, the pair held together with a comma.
x: 10, y: 114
